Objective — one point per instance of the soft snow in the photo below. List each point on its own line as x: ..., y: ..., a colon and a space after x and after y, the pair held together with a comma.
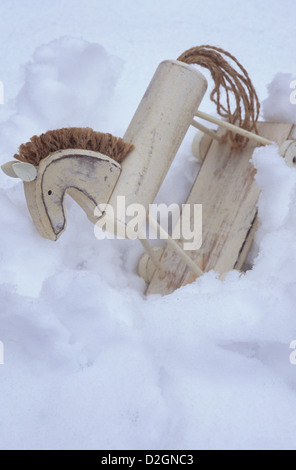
x: 90, y: 362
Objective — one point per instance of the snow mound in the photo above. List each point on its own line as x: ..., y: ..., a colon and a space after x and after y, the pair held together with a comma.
x: 89, y: 361
x: 69, y: 82
x: 280, y: 104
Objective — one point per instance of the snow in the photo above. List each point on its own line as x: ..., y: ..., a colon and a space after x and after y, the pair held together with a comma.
x: 280, y: 103
x: 90, y: 362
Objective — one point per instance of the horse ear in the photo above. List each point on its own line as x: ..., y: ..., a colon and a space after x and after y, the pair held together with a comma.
x: 7, y: 168
x: 22, y: 170
x: 25, y: 171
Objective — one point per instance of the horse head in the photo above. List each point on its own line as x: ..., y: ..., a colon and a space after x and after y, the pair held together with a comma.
x: 88, y: 177
x: 150, y: 144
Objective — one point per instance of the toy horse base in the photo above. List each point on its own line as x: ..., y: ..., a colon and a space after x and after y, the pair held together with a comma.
x: 226, y: 188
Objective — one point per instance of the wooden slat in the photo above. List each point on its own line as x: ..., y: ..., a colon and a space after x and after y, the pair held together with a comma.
x: 226, y: 188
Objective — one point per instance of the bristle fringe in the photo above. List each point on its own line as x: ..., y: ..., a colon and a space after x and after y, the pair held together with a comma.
x: 41, y: 146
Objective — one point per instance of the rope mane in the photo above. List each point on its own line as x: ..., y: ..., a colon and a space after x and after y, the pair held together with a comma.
x: 86, y: 138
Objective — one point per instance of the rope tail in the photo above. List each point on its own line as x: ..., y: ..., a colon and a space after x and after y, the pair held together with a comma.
x: 232, y: 83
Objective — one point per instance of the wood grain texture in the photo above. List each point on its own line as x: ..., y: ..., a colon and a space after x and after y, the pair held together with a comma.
x: 226, y: 188
x: 157, y: 130
x: 89, y: 177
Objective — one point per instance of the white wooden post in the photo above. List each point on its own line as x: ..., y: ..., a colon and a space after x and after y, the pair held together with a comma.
x: 157, y: 130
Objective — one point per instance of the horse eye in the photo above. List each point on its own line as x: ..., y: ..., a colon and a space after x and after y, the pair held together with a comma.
x: 49, y: 193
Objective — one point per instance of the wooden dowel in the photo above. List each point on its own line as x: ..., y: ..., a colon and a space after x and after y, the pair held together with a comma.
x: 233, y: 128
x: 148, y: 248
x: 205, y: 130
x: 176, y: 247
x: 141, y: 236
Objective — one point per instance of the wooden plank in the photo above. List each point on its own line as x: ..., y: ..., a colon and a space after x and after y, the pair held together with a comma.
x: 226, y: 188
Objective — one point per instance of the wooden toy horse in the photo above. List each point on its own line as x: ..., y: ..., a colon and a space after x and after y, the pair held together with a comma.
x: 156, y: 133
x: 153, y: 137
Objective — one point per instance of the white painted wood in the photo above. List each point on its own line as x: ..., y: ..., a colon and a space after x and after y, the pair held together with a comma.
x: 233, y: 128
x: 25, y: 171
x: 89, y: 177
x: 7, y: 168
x: 288, y: 151
x: 146, y: 266
x: 176, y: 247
x: 226, y: 188
x: 157, y: 130
x: 205, y: 130
x: 153, y: 257
x: 284, y: 147
x: 200, y: 146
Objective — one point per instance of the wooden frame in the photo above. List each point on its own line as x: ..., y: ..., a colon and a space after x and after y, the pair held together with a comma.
x: 225, y: 185
x: 226, y: 188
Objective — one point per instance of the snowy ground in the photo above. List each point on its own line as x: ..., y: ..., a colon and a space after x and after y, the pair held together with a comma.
x: 89, y: 361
